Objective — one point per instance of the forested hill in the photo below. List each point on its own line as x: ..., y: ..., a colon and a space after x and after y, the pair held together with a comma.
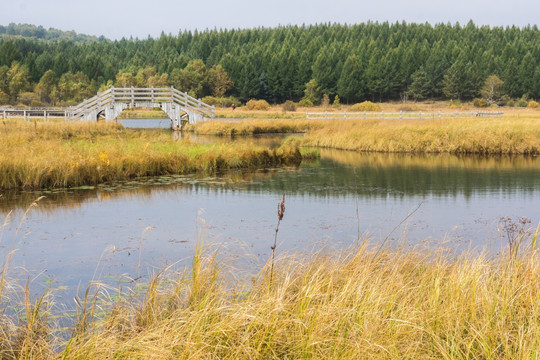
x: 39, y: 32
x: 373, y: 61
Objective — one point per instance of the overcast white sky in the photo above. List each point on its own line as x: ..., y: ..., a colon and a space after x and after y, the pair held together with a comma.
x: 122, y: 18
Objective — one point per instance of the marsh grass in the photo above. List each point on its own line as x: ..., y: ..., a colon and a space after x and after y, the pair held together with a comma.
x: 253, y: 127
x: 506, y: 135
x: 518, y: 132
x: 359, y: 303
x: 52, y: 155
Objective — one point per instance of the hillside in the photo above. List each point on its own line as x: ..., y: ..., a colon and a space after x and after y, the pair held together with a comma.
x: 28, y: 31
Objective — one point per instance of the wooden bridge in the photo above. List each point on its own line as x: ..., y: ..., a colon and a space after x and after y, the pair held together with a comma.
x: 179, y: 106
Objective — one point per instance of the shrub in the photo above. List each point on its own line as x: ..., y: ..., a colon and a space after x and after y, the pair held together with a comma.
x: 288, y: 106
x: 366, y: 106
x: 506, y: 101
x: 257, y: 105
x: 210, y: 100
x: 4, y: 98
x: 455, y: 103
x: 480, y: 102
x: 305, y: 103
x: 223, y: 102
x: 325, y: 101
x: 521, y: 103
x: 533, y: 104
x: 30, y: 99
x: 337, y: 102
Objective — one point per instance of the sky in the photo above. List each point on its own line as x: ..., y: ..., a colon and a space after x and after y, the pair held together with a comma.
x: 137, y: 18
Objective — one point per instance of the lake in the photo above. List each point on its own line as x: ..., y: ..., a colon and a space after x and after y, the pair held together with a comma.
x: 129, y: 229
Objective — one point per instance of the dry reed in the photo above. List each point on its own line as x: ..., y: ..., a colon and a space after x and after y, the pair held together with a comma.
x: 515, y: 133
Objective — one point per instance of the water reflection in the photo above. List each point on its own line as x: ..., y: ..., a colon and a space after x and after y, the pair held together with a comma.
x: 337, y: 173
x: 146, y: 123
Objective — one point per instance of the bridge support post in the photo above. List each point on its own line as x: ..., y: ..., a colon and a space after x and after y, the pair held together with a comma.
x: 176, y: 125
x: 174, y: 113
x: 113, y: 110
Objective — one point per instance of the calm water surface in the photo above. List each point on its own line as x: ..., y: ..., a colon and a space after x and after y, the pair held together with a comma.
x: 126, y: 229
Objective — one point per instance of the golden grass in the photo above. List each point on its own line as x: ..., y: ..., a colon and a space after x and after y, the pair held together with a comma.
x: 362, y: 303
x: 251, y: 127
x: 46, y: 155
x: 518, y: 132
x: 143, y: 113
x: 508, y: 135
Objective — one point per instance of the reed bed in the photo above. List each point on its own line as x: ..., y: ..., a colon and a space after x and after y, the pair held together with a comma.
x: 48, y: 155
x: 253, y: 127
x: 366, y: 302
x: 515, y: 133
x: 506, y: 135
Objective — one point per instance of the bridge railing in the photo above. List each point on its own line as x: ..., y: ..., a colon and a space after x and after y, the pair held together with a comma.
x: 134, y: 95
x: 101, y: 99
x: 32, y: 113
x: 188, y: 101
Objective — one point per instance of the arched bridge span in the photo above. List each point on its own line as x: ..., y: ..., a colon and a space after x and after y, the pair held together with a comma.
x: 178, y: 105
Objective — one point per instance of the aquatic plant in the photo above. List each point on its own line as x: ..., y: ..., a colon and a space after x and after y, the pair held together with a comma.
x: 280, y: 213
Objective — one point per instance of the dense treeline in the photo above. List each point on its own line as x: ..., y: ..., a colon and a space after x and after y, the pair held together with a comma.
x: 39, y: 32
x: 370, y: 61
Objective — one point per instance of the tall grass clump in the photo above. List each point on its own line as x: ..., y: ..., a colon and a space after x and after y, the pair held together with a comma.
x: 361, y: 303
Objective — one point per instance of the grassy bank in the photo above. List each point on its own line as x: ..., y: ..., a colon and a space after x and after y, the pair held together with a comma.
x: 517, y: 132
x: 363, y: 303
x: 253, y: 127
x: 46, y: 155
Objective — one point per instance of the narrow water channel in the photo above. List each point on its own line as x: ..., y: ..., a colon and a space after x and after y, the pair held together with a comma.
x: 127, y: 229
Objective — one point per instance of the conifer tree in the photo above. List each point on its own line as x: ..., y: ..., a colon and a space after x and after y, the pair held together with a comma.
x: 351, y: 84
x: 419, y: 88
x: 264, y: 90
